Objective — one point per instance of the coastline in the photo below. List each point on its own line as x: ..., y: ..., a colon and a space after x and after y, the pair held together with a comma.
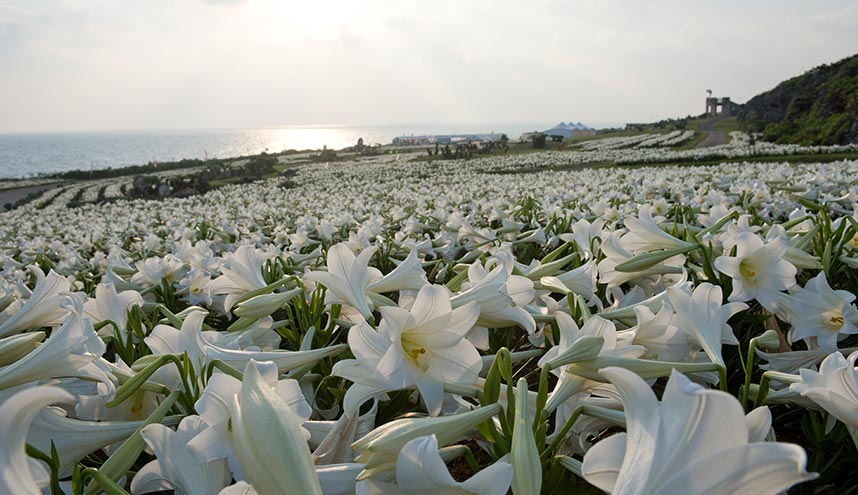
x: 48, y: 154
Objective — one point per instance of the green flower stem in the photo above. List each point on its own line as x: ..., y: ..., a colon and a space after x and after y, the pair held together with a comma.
x: 106, y: 484
x: 124, y: 457
x: 558, y: 439
x: 748, y: 365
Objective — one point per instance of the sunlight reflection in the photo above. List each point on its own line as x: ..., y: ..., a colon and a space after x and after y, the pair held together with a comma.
x: 308, y: 138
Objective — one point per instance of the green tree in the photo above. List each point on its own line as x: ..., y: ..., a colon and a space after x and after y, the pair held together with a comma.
x: 261, y: 165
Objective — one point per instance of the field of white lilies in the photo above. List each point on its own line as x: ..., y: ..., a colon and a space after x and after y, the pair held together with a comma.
x: 381, y: 326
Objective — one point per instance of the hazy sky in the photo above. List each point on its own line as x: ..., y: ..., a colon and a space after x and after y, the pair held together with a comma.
x: 69, y: 65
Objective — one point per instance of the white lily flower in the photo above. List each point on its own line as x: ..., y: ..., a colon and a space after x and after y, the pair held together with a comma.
x: 423, y: 348
x: 338, y: 479
x: 43, y: 307
x: 759, y: 422
x: 536, y: 269
x: 791, y: 361
x: 758, y: 270
x: 702, y: 316
x: 500, y: 296
x: 92, y: 405
x: 644, y: 234
x: 660, y: 335
x: 259, y: 336
x: 581, y: 281
x: 241, y: 274
x: 333, y: 439
x: 834, y: 387
x: 819, y: 311
x: 352, y: 282
x: 624, y: 305
x: 536, y: 236
x: 174, y: 466
x: 191, y: 339
x: 20, y: 474
x: 151, y: 272
x: 601, y: 338
x: 303, y: 260
x: 615, y: 254
x: 69, y: 351
x: 240, y: 488
x: 194, y: 287
x: 579, y: 439
x: 421, y: 470
x: 695, y: 441
x: 347, y: 278
x: 110, y: 305
x: 216, y: 441
x: 269, y: 441
x: 408, y: 275
x: 769, y: 340
x: 73, y: 438
x: 584, y: 234
x: 213, y: 407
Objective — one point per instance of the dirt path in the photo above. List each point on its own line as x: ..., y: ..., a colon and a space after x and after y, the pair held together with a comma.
x: 13, y: 195
x: 714, y: 137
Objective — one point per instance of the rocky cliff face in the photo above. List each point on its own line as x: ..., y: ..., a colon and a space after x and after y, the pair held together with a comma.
x: 818, y: 107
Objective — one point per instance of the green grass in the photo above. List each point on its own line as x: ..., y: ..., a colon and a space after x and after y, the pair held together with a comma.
x: 727, y: 125
x: 694, y: 124
x: 691, y: 143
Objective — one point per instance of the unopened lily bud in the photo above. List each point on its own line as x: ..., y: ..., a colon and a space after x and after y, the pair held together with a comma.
x: 265, y: 304
x: 269, y: 442
x: 585, y: 348
x: 548, y: 269
x: 527, y: 476
x: 644, y: 368
x: 5, y: 301
x: 769, y: 340
x: 554, y: 284
x: 645, y: 261
x: 380, y: 447
x: 17, y: 346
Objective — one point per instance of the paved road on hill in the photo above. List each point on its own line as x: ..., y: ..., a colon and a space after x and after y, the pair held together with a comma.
x: 714, y: 137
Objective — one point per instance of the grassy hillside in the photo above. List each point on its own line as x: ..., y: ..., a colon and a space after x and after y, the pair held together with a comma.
x: 817, y: 107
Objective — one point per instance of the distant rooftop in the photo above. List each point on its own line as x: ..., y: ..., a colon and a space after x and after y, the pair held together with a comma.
x: 567, y: 130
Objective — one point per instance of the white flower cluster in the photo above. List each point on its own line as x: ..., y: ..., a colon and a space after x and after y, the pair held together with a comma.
x: 673, y: 138
x: 358, y: 332
x: 678, y: 138
x: 615, y: 143
x: 113, y: 190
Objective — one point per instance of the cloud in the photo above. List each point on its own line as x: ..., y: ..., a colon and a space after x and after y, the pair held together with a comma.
x: 224, y: 2
x: 87, y: 64
x: 10, y: 14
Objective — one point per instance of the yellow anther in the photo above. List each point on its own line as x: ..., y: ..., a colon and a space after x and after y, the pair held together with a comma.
x: 833, y: 320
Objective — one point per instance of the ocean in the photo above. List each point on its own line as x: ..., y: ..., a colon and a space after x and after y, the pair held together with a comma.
x: 30, y: 155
